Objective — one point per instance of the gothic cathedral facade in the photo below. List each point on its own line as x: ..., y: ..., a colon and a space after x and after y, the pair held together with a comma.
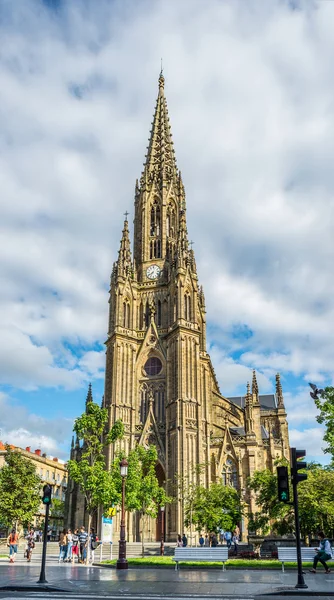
x: 159, y: 378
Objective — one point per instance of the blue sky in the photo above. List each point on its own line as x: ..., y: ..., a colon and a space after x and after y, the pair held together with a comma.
x: 250, y: 94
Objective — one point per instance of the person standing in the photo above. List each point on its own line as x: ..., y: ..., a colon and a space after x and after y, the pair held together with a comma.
x: 201, y: 541
x: 75, y: 547
x: 324, y: 552
x: 12, y: 542
x: 83, y: 539
x: 207, y: 541
x: 62, y: 545
x: 92, y: 544
x: 179, y: 543
x: 69, y: 545
x: 235, y: 541
x: 30, y: 544
x: 214, y: 541
x: 184, y: 541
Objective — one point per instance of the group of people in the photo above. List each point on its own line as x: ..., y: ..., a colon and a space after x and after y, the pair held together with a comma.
x: 75, y: 545
x: 211, y: 540
x: 72, y: 545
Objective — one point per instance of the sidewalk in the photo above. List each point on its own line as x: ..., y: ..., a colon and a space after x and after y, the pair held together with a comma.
x: 164, y: 582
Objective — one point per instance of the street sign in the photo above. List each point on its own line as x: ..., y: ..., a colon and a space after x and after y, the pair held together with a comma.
x: 106, y: 530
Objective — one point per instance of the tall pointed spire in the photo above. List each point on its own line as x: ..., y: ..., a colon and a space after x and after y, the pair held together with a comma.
x: 255, y: 388
x: 89, y: 397
x: 279, y: 392
x: 249, y: 411
x: 160, y: 164
x: 123, y: 265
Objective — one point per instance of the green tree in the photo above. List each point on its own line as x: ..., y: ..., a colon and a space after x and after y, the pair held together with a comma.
x: 95, y: 483
x: 57, y: 511
x: 213, y: 508
x: 273, y: 514
x: 316, y: 503
x: 143, y: 492
x: 20, y: 490
x: 326, y: 406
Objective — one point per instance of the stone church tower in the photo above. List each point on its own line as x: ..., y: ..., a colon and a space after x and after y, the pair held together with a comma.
x: 159, y: 377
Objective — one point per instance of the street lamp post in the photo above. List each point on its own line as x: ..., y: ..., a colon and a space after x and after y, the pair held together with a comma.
x: 122, y: 563
x: 162, y: 543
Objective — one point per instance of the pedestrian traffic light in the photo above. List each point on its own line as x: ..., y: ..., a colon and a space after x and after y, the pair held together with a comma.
x: 283, y: 484
x: 47, y: 492
x: 297, y: 465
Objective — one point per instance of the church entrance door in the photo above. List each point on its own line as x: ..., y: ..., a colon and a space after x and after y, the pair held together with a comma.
x: 160, y: 521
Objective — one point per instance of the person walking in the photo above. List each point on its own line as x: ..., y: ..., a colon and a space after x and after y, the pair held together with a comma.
x: 184, y: 541
x: 83, y: 539
x: 75, y: 546
x: 324, y: 552
x: 201, y: 541
x: 30, y: 544
x: 228, y: 538
x: 12, y: 542
x: 62, y: 545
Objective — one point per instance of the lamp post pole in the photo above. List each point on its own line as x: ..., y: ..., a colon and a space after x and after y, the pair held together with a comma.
x: 162, y: 543
x: 122, y: 563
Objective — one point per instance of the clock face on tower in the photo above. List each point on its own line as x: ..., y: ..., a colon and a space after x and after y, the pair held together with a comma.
x: 153, y: 271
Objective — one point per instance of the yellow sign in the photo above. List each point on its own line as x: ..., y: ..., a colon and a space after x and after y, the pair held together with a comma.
x: 111, y: 511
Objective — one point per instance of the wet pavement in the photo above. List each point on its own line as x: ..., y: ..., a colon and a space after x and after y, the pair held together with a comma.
x: 80, y: 579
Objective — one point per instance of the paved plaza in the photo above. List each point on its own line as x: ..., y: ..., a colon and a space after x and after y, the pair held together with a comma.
x: 201, y: 583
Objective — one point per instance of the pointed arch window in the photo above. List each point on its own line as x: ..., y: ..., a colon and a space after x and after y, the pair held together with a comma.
x: 170, y: 221
x: 155, y: 219
x: 159, y: 404
x: 126, y: 314
x: 159, y: 313
x: 147, y: 314
x: 141, y: 316
x: 187, y: 307
x: 230, y: 474
x: 144, y: 403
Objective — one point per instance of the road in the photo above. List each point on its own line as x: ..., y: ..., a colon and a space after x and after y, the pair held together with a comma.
x: 67, y: 581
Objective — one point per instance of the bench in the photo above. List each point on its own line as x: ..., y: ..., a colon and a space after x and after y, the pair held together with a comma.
x: 290, y: 555
x: 218, y: 554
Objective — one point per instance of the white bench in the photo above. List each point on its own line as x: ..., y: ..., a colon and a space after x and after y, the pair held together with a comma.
x: 290, y: 554
x: 218, y: 554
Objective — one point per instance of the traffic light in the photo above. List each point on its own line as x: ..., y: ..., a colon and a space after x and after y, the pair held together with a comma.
x: 283, y: 484
x: 47, y: 493
x: 297, y: 465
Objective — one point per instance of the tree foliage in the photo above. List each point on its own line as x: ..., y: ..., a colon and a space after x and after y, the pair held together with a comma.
x: 316, y: 503
x: 325, y: 403
x: 143, y: 493
x: 96, y: 484
x: 272, y: 514
x: 57, y: 508
x: 213, y: 508
x: 20, y: 490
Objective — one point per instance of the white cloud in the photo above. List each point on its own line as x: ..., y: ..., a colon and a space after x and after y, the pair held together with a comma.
x: 250, y: 93
x: 310, y: 440
x: 22, y: 428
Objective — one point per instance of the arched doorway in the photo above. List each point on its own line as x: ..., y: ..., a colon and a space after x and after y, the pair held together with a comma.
x: 161, y: 518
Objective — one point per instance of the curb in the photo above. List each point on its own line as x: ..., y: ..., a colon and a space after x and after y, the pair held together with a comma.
x: 33, y: 588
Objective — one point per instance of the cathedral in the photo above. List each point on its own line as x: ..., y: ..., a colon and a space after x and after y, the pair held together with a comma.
x: 159, y: 378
